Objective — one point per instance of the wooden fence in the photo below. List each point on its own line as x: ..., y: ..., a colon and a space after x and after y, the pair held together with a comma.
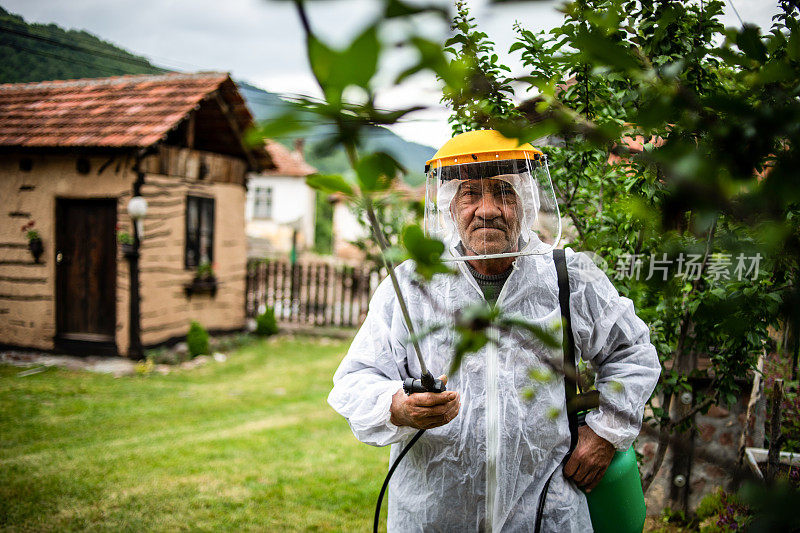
x: 315, y: 294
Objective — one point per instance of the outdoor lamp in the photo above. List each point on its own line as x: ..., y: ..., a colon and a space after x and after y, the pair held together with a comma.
x: 137, y: 209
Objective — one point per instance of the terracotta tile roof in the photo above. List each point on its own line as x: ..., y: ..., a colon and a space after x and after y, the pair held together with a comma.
x: 119, y: 112
x: 287, y: 163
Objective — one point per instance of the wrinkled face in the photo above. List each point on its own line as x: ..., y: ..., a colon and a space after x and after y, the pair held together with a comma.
x: 487, y: 213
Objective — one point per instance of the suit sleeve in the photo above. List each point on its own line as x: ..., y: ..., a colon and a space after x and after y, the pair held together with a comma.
x: 372, y: 372
x: 608, y: 333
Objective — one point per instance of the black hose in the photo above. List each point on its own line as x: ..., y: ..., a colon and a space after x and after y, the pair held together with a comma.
x: 581, y: 419
x: 389, y: 476
x: 542, y: 500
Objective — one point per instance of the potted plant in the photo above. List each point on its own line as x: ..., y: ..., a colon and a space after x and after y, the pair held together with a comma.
x: 205, y: 280
x: 125, y: 241
x: 205, y: 272
x: 35, y: 244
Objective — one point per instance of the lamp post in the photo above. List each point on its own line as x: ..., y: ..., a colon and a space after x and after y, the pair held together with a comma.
x: 137, y: 210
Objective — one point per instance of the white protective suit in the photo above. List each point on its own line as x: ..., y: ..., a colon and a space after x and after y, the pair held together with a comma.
x: 500, y: 444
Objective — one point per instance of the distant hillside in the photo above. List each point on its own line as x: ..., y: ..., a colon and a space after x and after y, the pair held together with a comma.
x: 38, y: 52
x: 412, y: 156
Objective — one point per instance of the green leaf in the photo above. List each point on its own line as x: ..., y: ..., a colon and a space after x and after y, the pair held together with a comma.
x: 456, y: 39
x: 749, y: 41
x: 519, y: 45
x: 390, y: 117
x: 775, y: 71
x: 545, y: 335
x: 426, y: 253
x: 528, y: 133
x: 376, y: 171
x: 355, y: 65
x: 360, y: 61
x: 604, y: 50
x: 466, y: 342
x: 654, y: 113
x: 432, y: 57
x: 541, y: 375
x: 396, y: 8
x: 395, y: 255
x: 330, y: 183
x: 793, y: 47
x: 280, y: 126
x: 322, y: 60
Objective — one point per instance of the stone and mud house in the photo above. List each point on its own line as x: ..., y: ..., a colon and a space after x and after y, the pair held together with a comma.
x: 72, y: 261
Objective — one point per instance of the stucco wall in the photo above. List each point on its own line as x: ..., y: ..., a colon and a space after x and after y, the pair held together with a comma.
x: 293, y: 202
x: 27, y: 290
x: 165, y: 308
x: 346, y: 229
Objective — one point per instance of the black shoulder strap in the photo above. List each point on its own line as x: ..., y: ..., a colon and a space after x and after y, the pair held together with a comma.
x: 570, y: 370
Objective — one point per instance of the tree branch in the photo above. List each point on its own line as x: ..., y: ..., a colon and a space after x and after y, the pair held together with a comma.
x: 661, y: 450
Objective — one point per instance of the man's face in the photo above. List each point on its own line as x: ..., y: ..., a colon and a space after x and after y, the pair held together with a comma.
x: 487, y: 213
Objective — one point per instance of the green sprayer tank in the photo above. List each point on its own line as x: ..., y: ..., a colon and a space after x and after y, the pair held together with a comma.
x: 617, y: 503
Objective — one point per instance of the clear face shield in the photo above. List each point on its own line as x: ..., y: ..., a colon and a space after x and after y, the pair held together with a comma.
x: 492, y: 207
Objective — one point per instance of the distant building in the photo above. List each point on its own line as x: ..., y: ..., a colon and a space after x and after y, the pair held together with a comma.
x: 347, y: 228
x: 280, y: 206
x: 72, y: 155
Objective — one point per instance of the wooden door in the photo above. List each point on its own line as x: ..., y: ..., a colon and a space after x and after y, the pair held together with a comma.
x: 86, y: 275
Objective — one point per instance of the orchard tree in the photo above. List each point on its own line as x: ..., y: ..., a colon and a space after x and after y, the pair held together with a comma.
x: 714, y: 178
x: 704, y: 185
x: 486, y: 95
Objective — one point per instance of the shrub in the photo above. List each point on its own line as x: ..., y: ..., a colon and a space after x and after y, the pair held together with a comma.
x: 145, y: 367
x: 720, y: 512
x: 197, y: 339
x: 266, y: 324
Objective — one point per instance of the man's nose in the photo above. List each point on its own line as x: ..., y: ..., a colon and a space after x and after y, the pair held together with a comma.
x: 488, y: 207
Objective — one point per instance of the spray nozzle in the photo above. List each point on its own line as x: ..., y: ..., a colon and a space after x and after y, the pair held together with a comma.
x: 426, y: 384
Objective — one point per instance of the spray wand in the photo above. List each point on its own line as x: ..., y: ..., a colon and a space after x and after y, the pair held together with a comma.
x: 426, y: 383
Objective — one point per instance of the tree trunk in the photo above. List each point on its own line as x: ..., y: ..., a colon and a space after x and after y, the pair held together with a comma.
x: 755, y: 394
x: 773, y: 457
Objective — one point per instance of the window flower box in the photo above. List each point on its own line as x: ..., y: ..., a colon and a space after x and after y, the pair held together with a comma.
x: 201, y: 286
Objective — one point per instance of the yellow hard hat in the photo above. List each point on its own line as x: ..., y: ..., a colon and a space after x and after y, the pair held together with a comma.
x: 481, y: 146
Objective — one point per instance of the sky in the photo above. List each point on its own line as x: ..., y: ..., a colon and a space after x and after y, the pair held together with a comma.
x: 262, y: 42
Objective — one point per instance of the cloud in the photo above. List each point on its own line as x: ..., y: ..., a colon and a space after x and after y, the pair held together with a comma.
x: 262, y: 41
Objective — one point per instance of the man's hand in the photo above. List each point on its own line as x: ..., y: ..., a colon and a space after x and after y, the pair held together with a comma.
x: 589, y: 460
x: 425, y: 410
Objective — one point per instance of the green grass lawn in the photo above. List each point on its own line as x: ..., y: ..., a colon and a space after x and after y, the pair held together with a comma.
x: 250, y: 444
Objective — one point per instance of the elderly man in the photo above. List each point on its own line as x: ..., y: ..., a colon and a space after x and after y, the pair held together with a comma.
x: 488, y: 452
